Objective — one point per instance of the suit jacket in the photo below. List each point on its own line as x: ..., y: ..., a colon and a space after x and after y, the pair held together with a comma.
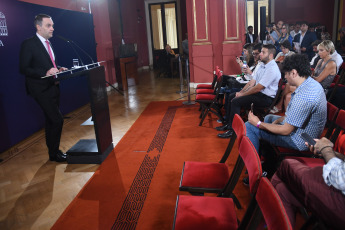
x: 34, y: 62
x: 248, y: 38
x: 308, y: 39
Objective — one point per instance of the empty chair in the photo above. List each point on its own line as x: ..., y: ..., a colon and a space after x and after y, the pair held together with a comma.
x: 210, y: 86
x: 202, y: 212
x: 210, y: 102
x: 210, y: 177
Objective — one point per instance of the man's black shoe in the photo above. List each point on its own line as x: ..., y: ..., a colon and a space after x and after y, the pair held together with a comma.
x: 222, y: 128
x: 58, y: 157
x: 227, y: 134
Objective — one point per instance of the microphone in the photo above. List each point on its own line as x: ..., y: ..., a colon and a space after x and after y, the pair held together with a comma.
x: 72, y: 42
x: 69, y: 42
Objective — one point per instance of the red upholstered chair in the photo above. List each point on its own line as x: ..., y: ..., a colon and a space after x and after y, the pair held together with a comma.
x: 203, y: 212
x: 270, y: 207
x: 337, y: 82
x: 209, y: 177
x: 332, y: 112
x: 210, y: 102
x: 210, y: 86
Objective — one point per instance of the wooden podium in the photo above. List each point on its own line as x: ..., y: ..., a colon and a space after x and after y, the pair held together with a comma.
x: 93, y: 151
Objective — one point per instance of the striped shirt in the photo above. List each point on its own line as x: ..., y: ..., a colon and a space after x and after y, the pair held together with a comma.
x: 307, y: 111
x: 334, y: 174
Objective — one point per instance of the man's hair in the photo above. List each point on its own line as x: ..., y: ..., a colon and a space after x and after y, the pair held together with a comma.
x: 316, y: 43
x: 249, y: 27
x: 271, y: 49
x: 328, y: 45
x: 39, y: 18
x: 303, y: 22
x: 298, y: 23
x: 299, y: 62
x: 258, y: 47
x: 286, y: 44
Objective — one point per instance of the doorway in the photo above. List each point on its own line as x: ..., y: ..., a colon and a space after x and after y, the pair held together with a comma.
x: 164, y: 28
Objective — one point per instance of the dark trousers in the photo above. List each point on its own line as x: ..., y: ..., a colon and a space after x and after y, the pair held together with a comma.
x: 299, y: 185
x: 236, y: 103
x: 49, y: 103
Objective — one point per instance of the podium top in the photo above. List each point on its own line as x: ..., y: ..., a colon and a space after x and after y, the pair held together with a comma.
x: 75, y: 69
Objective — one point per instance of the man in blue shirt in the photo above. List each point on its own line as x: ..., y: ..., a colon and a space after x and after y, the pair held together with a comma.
x: 306, y: 112
x: 260, y: 91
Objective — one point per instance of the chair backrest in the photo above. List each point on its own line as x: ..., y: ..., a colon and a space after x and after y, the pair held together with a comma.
x: 332, y: 112
x: 252, y: 162
x: 339, y: 130
x: 240, y: 130
x: 272, y: 207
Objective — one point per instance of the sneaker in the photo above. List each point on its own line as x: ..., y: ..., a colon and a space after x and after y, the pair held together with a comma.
x: 275, y: 110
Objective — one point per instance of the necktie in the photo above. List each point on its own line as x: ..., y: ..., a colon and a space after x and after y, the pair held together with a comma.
x: 50, y: 53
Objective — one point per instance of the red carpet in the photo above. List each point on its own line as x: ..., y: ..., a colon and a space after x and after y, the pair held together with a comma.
x: 137, y: 185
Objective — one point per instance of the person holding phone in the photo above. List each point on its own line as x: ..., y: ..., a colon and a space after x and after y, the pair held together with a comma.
x: 321, y: 189
x: 306, y: 112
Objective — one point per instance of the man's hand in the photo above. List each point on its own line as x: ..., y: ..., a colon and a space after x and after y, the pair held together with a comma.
x: 252, y: 118
x: 303, y: 49
x: 246, y: 70
x: 320, y: 143
x: 52, y: 71
x: 62, y: 69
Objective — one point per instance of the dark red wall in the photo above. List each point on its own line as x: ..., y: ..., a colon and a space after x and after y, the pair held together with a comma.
x: 309, y: 10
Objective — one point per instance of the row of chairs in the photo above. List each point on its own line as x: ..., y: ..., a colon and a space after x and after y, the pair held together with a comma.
x: 205, y: 212
x: 210, y: 100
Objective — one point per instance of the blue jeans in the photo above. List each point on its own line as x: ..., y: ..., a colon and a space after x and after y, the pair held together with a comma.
x: 255, y: 135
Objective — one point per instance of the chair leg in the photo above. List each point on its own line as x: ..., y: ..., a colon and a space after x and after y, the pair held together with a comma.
x: 204, y: 116
x: 236, y: 201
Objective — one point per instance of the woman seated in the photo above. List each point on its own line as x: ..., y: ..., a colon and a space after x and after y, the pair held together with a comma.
x: 284, y: 36
x: 247, y: 55
x: 324, y: 73
x: 285, y: 47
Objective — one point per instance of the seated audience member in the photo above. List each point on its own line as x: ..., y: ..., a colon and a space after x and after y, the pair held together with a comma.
x: 337, y: 58
x: 305, y: 39
x: 324, y: 73
x: 316, y: 58
x: 285, y: 47
x: 247, y: 55
x: 297, y: 30
x: 325, y: 36
x: 284, y: 36
x: 321, y: 190
x: 260, y: 90
x: 306, y: 112
x: 165, y: 60
x: 276, y: 30
x: 250, y: 37
x: 291, y: 28
x: 342, y: 39
x: 267, y: 39
x: 326, y: 68
x: 250, y: 54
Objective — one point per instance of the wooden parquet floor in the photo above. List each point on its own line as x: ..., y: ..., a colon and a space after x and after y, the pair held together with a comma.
x: 35, y: 191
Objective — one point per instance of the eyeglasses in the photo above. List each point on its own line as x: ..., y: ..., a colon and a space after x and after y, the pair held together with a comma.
x: 255, y: 53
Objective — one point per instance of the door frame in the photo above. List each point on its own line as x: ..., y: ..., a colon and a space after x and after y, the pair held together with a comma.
x: 148, y: 25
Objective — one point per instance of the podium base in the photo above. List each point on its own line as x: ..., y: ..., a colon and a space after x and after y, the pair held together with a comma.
x: 85, y: 151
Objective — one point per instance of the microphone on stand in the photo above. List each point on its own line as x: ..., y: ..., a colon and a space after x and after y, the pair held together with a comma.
x: 69, y: 42
x: 75, y: 44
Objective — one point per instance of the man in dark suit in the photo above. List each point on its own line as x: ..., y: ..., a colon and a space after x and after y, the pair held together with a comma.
x: 250, y: 37
x: 305, y: 39
x: 37, y: 59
